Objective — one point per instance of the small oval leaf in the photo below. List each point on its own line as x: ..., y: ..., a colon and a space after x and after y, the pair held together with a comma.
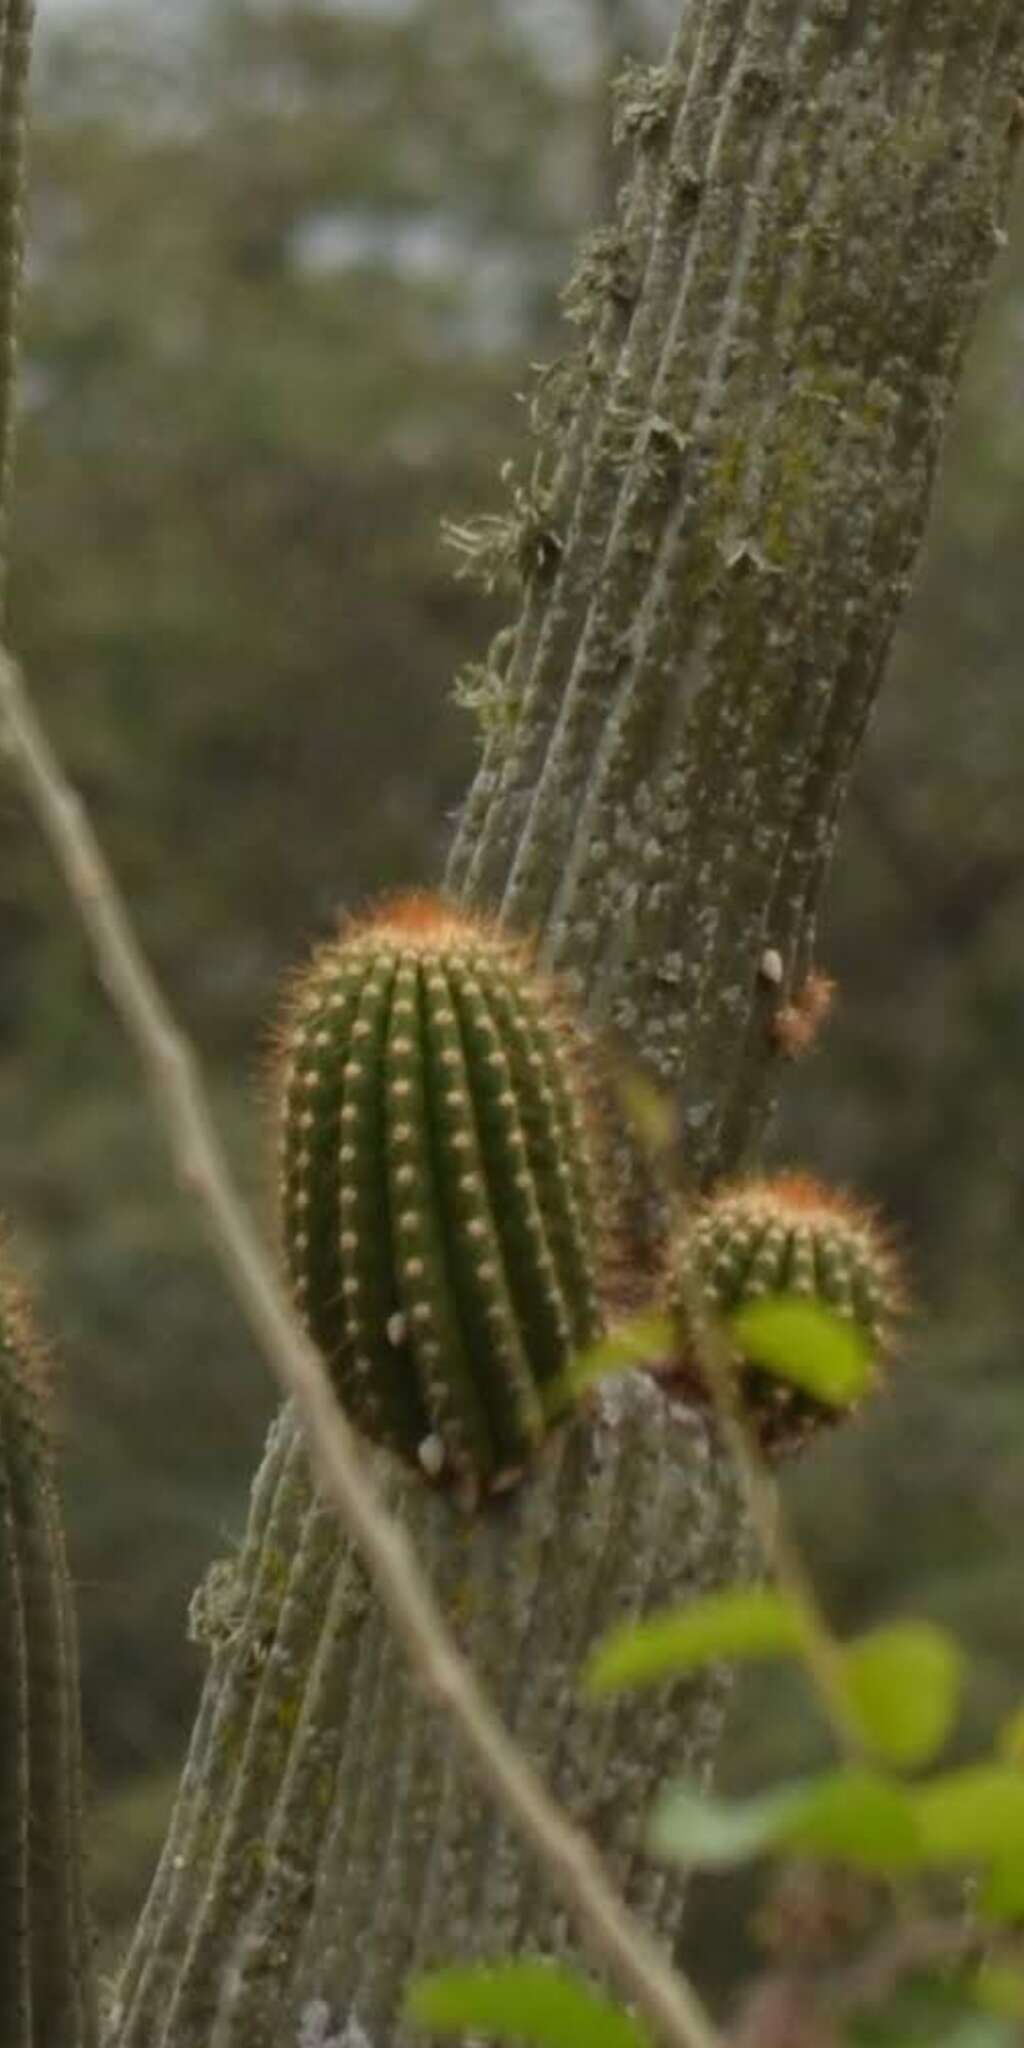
x: 651, y: 1111
x: 903, y: 1689
x: 1011, y: 1739
x: 742, y: 1621
x: 805, y: 1343
x: 968, y: 2030
x: 999, y: 1988
x: 973, y: 1815
x: 1001, y: 1895
x: 526, y: 2001
x: 694, y: 1827
x: 860, y: 1818
x: 645, y: 1339
x: 846, y: 1816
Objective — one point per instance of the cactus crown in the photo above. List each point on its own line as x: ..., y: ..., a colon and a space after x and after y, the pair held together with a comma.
x: 788, y: 1235
x: 436, y: 1186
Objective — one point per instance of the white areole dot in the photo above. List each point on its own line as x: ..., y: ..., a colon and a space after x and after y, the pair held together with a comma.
x: 431, y: 1456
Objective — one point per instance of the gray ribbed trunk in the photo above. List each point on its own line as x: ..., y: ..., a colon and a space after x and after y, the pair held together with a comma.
x: 739, y: 477
x: 741, y: 464
x: 328, y: 1838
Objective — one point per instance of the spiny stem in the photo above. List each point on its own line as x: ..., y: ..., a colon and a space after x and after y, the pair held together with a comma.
x: 615, y: 1938
x: 15, y: 57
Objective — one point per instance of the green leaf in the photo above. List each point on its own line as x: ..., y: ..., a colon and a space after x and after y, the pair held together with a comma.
x: 1000, y: 1989
x: 1011, y: 1739
x: 962, y: 2029
x: 845, y: 1816
x: 974, y: 1815
x: 651, y: 1111
x: 973, y: 2030
x: 690, y: 1826
x: 806, y: 1343
x: 857, y: 1817
x: 645, y: 1339
x: 1001, y: 1897
x: 930, y: 2011
x: 965, y: 2030
x: 523, y: 2001
x: 743, y: 1621
x: 903, y: 1687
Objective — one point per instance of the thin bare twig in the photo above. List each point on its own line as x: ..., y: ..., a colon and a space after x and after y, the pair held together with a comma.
x: 610, y: 1931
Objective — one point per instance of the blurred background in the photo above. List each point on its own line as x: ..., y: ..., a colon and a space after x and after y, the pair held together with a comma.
x: 289, y: 267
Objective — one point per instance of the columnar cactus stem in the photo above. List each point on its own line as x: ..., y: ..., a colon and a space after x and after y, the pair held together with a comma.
x: 772, y: 338
x: 728, y: 524
x: 731, y: 520
x: 437, y: 1199
x: 16, y: 23
x: 46, y: 1996
x: 329, y: 1841
x: 15, y: 1975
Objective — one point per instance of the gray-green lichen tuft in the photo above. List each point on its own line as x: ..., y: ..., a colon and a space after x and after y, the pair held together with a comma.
x: 606, y: 274
x: 518, y: 546
x: 643, y: 97
x: 482, y: 689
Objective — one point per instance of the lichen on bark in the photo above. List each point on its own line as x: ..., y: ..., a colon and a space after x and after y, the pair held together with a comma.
x: 740, y: 498
x: 328, y: 1839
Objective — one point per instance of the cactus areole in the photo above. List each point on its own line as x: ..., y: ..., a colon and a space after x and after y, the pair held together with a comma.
x: 437, y: 1188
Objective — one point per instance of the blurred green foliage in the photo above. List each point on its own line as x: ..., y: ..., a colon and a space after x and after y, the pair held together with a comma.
x: 289, y: 266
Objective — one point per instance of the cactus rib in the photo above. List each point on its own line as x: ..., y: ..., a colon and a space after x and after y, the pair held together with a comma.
x: 46, y: 1996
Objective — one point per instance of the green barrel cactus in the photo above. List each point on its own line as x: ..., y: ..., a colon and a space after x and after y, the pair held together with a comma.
x: 437, y: 1188
x: 787, y: 1235
x: 46, y: 1996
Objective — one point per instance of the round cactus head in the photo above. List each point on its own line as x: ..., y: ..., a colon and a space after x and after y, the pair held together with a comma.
x: 436, y: 1186
x: 791, y: 1236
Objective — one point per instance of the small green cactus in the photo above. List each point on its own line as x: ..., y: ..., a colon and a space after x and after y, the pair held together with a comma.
x: 787, y: 1235
x: 437, y: 1204
x: 46, y: 1998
